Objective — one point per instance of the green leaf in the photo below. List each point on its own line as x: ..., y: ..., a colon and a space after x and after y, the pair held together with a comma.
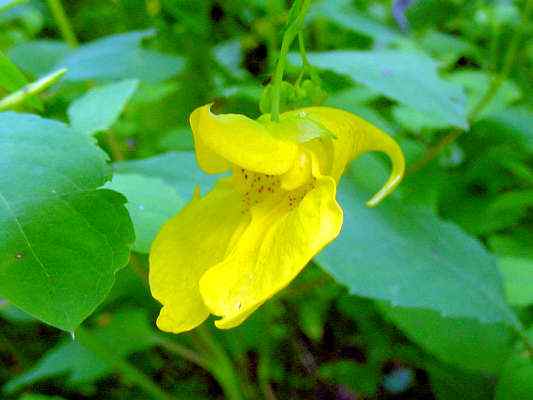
x: 178, y: 169
x: 124, y: 333
x: 465, y: 343
x: 39, y: 57
x: 151, y: 202
x: 414, y: 121
x: 451, y: 384
x: 518, y: 280
x: 13, y: 314
x: 344, y: 14
x: 7, y: 4
x: 63, y: 239
x: 410, y: 78
x: 100, y: 107
x: 354, y: 105
x: 410, y: 257
x: 120, y: 57
x: 228, y: 55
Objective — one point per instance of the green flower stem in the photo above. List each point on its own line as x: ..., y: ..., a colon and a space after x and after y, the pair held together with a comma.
x: 495, y: 85
x: 58, y: 12
x: 221, y: 366
x: 288, y: 37
x: 273, y: 10
x: 89, y: 341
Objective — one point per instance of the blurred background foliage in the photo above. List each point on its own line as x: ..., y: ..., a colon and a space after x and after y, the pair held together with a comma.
x: 428, y: 296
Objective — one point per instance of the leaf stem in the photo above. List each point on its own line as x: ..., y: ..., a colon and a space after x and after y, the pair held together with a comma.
x: 492, y: 90
x: 30, y: 90
x: 89, y: 341
x: 61, y: 19
x: 288, y: 37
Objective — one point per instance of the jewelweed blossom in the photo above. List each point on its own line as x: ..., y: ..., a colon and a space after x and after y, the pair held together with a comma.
x: 230, y: 251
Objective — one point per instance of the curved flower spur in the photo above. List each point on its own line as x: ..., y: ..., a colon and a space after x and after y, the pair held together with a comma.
x: 230, y: 251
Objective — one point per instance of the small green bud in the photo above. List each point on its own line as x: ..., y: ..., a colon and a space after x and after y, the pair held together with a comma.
x: 287, y: 98
x: 310, y: 94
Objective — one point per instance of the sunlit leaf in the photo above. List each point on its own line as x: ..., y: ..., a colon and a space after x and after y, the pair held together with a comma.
x: 63, y: 238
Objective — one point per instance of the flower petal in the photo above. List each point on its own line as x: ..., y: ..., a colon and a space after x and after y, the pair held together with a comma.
x: 197, y: 238
x: 207, y: 159
x: 273, y: 249
x: 354, y: 137
x: 240, y: 140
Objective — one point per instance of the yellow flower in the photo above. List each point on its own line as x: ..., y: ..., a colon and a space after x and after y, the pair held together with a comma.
x: 230, y: 251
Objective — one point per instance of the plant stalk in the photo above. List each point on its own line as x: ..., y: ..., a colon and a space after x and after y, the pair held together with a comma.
x: 62, y: 21
x: 288, y: 37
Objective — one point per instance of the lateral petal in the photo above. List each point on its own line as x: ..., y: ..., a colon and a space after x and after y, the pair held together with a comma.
x: 273, y: 249
x: 189, y: 244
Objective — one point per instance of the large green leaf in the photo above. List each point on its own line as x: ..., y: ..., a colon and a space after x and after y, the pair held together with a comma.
x: 39, y: 57
x: 100, y: 107
x: 452, y: 384
x: 465, y: 343
x: 120, y: 57
x: 411, y: 258
x: 63, y: 238
x: 408, y: 77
